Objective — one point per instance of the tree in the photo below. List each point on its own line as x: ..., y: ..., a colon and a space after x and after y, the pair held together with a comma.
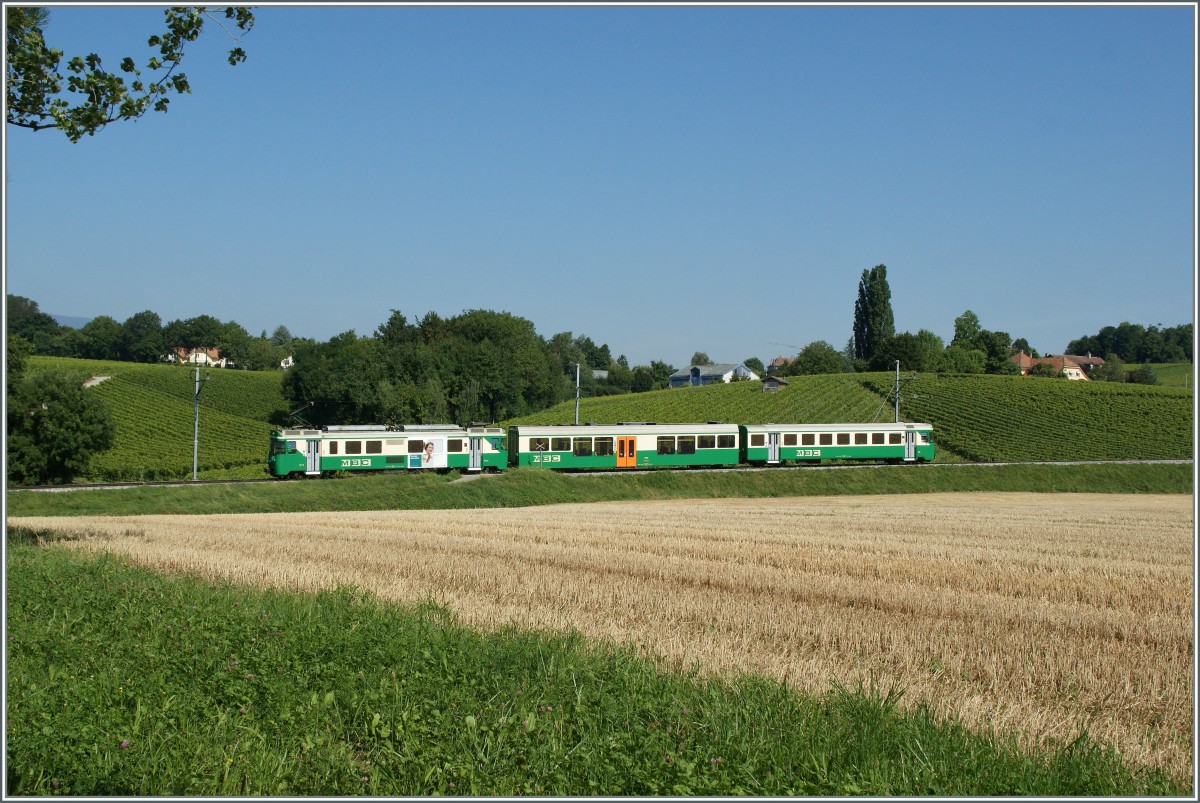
x: 818, y: 357
x: 281, y: 336
x: 1021, y: 344
x: 34, y: 86
x: 962, y: 360
x: 920, y: 352
x: 755, y: 365
x: 142, y: 337
x: 1113, y: 370
x: 700, y: 358
x: 1143, y: 375
x: 966, y: 330
x: 54, y: 427
x: 102, y: 338
x: 23, y: 318
x: 873, y: 319
x: 1046, y: 369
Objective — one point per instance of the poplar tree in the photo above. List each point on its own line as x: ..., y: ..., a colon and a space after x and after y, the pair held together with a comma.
x: 873, y: 319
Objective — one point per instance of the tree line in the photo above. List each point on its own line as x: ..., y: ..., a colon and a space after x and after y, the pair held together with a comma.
x: 143, y: 337
x: 876, y: 346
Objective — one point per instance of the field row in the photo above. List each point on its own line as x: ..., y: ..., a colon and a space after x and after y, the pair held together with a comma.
x: 1038, y: 615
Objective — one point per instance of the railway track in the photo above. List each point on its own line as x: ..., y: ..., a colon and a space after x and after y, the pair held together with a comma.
x: 102, y: 486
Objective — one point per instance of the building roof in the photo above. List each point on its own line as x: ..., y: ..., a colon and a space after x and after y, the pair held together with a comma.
x: 719, y: 369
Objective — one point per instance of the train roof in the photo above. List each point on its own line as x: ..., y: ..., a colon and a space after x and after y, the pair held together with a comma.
x: 879, y: 426
x: 623, y: 428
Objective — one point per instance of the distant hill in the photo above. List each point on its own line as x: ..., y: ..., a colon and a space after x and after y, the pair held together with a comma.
x: 978, y: 418
x: 72, y: 321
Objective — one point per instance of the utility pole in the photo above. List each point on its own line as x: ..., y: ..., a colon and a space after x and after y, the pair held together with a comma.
x: 576, y: 394
x: 897, y: 391
x: 196, y: 425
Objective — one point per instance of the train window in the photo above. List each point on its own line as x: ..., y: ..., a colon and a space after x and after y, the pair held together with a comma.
x: 353, y: 447
x: 687, y: 444
x: 395, y: 444
x: 454, y: 445
x: 666, y: 444
x: 706, y: 442
x: 539, y: 444
x: 826, y: 439
x: 374, y: 447
x: 415, y: 446
x: 789, y: 440
x: 333, y: 447
x: 877, y: 438
x: 758, y: 440
x: 604, y: 447
x: 560, y: 444
x: 583, y: 447
x: 808, y: 439
x: 843, y: 439
x: 726, y: 441
x: 860, y: 439
x: 895, y: 438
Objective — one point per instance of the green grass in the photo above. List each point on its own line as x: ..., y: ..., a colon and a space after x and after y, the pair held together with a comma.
x: 1170, y: 374
x: 124, y: 682
x: 535, y: 486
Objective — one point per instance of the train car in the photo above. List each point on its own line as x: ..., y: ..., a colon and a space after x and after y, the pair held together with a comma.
x: 627, y: 445
x: 771, y: 444
x: 371, y: 447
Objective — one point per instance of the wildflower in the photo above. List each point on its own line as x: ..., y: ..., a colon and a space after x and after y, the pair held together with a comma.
x: 124, y: 744
x: 55, y: 784
x: 364, y: 779
x: 241, y: 709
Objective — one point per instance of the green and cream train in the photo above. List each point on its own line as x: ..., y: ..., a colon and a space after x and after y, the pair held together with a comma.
x: 332, y: 449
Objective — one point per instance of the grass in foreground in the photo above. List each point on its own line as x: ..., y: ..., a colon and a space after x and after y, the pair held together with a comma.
x: 522, y: 487
x: 137, y: 684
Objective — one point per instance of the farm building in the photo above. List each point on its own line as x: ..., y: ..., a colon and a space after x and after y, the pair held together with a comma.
x: 711, y: 374
x: 198, y: 356
x: 1074, y: 367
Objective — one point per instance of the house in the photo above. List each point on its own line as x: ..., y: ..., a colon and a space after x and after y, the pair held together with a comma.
x: 199, y: 356
x: 773, y: 383
x: 779, y: 363
x: 711, y: 374
x: 1073, y: 367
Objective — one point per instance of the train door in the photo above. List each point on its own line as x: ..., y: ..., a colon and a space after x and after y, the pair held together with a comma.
x: 313, y: 457
x: 910, y: 445
x: 772, y: 447
x: 626, y: 452
x: 476, y: 461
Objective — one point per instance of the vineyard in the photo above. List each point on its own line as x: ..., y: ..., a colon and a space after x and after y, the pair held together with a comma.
x: 153, y: 413
x: 977, y: 418
x: 995, y: 418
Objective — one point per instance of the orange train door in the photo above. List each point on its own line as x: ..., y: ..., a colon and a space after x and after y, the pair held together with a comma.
x: 626, y: 452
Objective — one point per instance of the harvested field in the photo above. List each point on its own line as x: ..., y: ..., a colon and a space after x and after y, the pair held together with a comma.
x: 1034, y: 614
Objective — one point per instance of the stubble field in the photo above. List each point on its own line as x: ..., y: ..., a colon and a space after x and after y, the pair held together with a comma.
x: 1033, y: 614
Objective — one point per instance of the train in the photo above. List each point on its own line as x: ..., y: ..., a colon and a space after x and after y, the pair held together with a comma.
x: 323, y: 452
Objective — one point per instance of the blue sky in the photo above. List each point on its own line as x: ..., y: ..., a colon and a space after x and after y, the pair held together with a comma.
x: 661, y: 179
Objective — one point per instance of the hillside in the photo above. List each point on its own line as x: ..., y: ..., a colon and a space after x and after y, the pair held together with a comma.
x: 153, y: 410
x: 999, y: 418
x: 984, y: 418
x: 975, y: 417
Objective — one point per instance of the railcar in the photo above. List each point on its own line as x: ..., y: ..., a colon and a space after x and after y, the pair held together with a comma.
x: 371, y: 447
x: 772, y: 444
x: 627, y: 445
